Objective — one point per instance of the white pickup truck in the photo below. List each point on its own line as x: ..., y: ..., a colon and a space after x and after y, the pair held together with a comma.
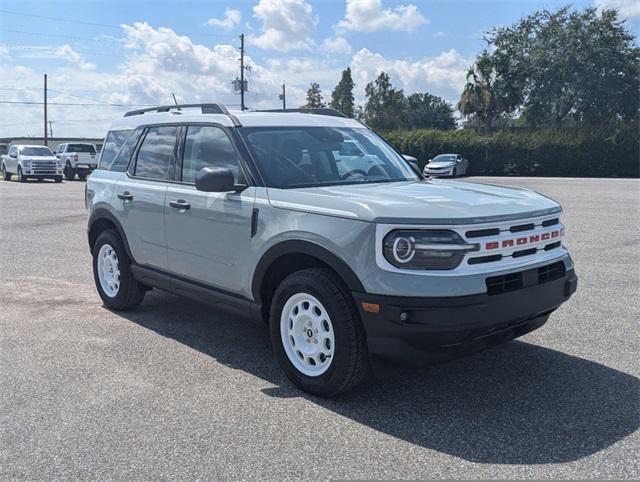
x: 77, y: 158
x: 35, y: 162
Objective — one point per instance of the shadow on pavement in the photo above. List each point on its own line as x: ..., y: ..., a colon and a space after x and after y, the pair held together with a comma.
x: 515, y: 404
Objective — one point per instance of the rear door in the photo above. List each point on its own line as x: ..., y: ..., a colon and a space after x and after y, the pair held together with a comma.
x: 208, y: 234
x: 141, y: 195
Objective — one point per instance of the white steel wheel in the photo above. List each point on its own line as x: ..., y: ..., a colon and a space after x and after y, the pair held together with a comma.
x: 307, y: 334
x: 108, y: 270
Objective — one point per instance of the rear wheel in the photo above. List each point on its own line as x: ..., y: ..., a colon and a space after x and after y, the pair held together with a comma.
x: 82, y: 176
x: 21, y: 178
x: 316, y: 333
x: 112, y: 273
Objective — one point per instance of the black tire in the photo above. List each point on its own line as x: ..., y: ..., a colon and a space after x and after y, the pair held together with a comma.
x: 455, y: 172
x: 69, y: 172
x: 6, y: 175
x: 82, y: 176
x: 130, y: 293
x: 58, y: 179
x: 350, y: 363
x: 21, y: 178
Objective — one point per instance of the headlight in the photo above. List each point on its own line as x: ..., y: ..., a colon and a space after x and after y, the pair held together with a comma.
x: 27, y: 163
x: 437, y: 250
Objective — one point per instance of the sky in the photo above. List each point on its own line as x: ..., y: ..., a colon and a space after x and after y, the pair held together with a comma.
x: 104, y: 58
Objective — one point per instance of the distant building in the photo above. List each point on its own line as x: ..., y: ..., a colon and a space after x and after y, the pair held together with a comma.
x: 52, y: 142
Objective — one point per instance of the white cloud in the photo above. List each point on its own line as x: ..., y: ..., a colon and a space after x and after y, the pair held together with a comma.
x: 286, y: 25
x: 336, y: 45
x: 443, y: 75
x: 370, y: 16
x: 65, y: 52
x: 627, y: 8
x: 231, y: 19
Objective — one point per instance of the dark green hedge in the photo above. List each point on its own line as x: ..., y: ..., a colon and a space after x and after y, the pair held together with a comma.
x: 593, y: 152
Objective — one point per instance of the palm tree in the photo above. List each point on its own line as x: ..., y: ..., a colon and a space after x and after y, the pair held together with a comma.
x: 478, y: 96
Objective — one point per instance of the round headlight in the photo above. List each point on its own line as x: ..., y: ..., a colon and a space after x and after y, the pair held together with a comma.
x: 404, y: 249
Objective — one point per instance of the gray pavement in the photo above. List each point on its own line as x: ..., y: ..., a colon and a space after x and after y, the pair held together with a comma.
x: 179, y: 390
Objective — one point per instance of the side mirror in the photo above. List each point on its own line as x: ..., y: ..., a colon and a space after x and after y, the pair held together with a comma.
x: 13, y: 155
x: 413, y: 162
x: 216, y: 179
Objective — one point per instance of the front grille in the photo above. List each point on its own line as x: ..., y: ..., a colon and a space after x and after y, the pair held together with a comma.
x: 481, y: 233
x: 551, y: 272
x: 43, y: 167
x: 485, y: 259
x: 504, y: 283
x: 522, y: 227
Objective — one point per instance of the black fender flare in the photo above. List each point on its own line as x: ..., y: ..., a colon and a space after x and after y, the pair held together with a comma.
x: 309, y: 248
x: 104, y: 214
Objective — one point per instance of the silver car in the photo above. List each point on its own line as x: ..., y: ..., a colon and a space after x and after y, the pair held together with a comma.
x: 311, y: 222
x: 449, y: 165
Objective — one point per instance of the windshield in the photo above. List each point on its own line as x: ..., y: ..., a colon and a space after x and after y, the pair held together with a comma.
x: 445, y: 158
x: 81, y: 148
x: 36, y: 151
x: 290, y: 157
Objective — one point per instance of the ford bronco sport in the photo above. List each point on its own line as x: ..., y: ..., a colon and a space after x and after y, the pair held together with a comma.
x: 256, y: 209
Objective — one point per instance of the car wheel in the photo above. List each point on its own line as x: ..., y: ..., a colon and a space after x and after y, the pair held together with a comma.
x: 69, y: 172
x: 82, y: 176
x: 112, y: 273
x: 6, y: 175
x: 455, y: 172
x: 58, y: 179
x: 21, y: 178
x: 316, y: 333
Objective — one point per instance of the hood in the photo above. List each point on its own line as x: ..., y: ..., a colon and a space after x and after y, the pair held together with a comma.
x: 429, y: 202
x: 441, y: 164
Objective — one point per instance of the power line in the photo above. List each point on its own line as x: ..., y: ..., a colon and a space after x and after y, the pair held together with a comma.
x: 24, y: 102
x: 11, y: 12
x: 68, y: 37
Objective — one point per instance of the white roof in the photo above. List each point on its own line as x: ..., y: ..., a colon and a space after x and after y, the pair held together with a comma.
x: 29, y: 145
x: 246, y: 118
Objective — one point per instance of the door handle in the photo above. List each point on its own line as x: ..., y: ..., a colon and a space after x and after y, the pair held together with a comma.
x: 125, y: 196
x: 180, y: 204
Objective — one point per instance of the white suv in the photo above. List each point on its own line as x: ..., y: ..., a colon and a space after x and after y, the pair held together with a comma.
x: 35, y: 162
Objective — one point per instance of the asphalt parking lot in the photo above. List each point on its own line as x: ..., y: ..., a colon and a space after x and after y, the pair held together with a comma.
x: 176, y: 390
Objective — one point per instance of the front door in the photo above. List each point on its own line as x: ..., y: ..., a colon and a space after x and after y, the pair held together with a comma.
x: 209, y: 234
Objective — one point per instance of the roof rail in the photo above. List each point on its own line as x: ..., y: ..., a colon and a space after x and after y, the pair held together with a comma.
x: 315, y: 110
x: 206, y: 109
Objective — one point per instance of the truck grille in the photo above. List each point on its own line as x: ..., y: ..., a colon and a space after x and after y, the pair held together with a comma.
x: 43, y: 167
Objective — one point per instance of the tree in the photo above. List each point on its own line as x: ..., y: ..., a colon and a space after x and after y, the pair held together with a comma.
x: 557, y: 68
x: 426, y: 111
x: 385, y: 106
x: 342, y: 96
x: 314, y: 97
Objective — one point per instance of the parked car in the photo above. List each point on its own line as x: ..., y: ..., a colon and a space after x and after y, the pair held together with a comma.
x: 77, y: 158
x: 451, y: 165
x: 31, y: 162
x: 253, y: 209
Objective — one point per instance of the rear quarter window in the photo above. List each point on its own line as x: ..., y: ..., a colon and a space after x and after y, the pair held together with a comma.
x: 112, y: 145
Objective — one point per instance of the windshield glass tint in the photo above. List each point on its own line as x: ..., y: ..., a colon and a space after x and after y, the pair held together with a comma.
x: 81, y: 148
x: 444, y: 158
x: 290, y: 157
x: 36, y: 151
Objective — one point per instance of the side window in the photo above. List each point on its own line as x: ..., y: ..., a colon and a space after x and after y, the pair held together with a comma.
x: 208, y: 146
x: 112, y: 144
x: 156, y: 152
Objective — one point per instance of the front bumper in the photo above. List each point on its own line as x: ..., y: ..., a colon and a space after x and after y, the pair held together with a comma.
x: 448, y: 171
x: 416, y: 331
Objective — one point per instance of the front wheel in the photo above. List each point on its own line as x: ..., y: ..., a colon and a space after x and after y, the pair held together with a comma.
x: 455, y: 172
x: 69, y: 172
x: 58, y: 179
x: 6, y: 175
x: 112, y: 273
x: 21, y: 178
x: 316, y: 333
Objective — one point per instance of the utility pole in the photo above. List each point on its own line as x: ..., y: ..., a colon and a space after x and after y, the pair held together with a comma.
x: 283, y: 97
x: 46, y: 139
x: 51, y: 128
x: 241, y: 71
